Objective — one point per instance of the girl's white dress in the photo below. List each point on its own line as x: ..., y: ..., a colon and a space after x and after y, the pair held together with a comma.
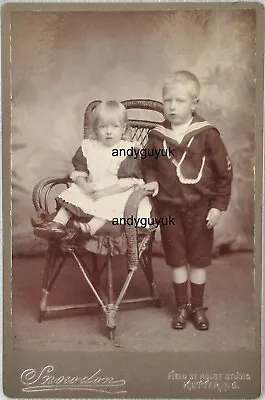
x: 103, y: 166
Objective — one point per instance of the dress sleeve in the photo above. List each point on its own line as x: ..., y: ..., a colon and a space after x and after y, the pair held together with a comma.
x: 223, y: 170
x: 80, y: 165
x: 149, y: 164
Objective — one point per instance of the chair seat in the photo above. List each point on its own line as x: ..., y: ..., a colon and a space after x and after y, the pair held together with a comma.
x: 110, y: 239
x: 108, y: 229
x: 42, y: 217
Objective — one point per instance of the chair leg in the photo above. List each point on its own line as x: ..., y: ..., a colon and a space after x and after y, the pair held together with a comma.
x: 111, y: 333
x: 96, y: 274
x: 49, y: 265
x: 150, y: 267
x: 111, y: 307
x: 147, y: 266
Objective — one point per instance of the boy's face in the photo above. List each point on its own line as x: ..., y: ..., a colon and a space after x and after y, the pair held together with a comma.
x: 178, y: 104
x: 110, y: 131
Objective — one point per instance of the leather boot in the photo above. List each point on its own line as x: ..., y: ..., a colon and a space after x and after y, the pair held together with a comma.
x: 181, y: 316
x: 50, y: 230
x: 199, y: 319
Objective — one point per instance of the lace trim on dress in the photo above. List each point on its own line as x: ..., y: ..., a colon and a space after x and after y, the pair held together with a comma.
x: 77, y: 174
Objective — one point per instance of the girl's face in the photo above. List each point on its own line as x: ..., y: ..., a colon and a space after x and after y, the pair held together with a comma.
x: 178, y: 104
x: 110, y: 130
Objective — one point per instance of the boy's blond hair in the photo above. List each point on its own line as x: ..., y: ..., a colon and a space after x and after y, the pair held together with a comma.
x: 186, y: 78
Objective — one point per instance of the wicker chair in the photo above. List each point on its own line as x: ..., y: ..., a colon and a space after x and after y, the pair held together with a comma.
x: 134, y: 243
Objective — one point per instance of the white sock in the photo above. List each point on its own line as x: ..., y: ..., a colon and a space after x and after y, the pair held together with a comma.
x: 92, y: 226
x: 62, y: 217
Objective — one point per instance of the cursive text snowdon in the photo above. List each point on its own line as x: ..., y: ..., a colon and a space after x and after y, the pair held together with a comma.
x: 45, y: 381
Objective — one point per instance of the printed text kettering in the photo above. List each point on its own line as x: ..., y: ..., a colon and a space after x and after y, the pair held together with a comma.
x: 143, y: 153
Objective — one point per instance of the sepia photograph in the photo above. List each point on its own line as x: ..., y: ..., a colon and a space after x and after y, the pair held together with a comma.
x: 134, y: 143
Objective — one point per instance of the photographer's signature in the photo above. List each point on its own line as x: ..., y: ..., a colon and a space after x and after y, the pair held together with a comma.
x: 44, y: 380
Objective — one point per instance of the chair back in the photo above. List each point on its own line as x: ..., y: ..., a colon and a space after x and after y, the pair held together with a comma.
x: 139, y: 127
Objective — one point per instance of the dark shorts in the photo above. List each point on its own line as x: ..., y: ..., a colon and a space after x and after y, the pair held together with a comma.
x: 188, y: 241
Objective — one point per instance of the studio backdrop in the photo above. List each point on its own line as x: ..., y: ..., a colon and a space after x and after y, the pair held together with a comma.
x: 63, y: 61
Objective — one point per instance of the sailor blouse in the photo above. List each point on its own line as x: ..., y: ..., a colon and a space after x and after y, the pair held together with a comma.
x: 199, y: 168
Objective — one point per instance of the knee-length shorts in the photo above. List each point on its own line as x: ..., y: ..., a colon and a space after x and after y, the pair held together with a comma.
x: 188, y: 240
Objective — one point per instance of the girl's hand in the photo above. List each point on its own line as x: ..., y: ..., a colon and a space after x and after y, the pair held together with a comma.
x: 152, y: 187
x: 213, y: 217
x: 88, y: 188
x: 98, y: 194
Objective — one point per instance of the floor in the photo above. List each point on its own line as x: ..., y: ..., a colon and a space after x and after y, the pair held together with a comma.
x: 229, y: 296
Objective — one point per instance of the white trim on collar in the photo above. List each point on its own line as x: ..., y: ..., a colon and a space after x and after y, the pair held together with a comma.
x: 192, y: 128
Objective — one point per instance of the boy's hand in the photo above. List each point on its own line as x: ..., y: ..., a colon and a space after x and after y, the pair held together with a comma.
x: 213, y: 217
x: 152, y: 187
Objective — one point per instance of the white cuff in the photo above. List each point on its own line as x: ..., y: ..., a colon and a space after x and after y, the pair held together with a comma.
x: 77, y: 174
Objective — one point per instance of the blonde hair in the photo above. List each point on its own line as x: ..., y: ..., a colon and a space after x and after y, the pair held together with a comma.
x: 186, y: 78
x: 111, y: 110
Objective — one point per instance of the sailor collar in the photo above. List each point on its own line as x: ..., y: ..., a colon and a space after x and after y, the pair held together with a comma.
x: 196, y: 127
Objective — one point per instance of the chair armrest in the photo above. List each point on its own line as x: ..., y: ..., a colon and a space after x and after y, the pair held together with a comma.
x: 130, y: 210
x: 132, y: 205
x: 42, y: 189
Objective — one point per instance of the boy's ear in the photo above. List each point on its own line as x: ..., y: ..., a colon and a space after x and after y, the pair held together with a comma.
x: 195, y: 103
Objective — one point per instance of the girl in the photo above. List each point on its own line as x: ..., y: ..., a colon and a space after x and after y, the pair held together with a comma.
x: 103, y: 181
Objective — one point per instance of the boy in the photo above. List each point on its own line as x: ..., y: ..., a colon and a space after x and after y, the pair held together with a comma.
x: 191, y: 181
